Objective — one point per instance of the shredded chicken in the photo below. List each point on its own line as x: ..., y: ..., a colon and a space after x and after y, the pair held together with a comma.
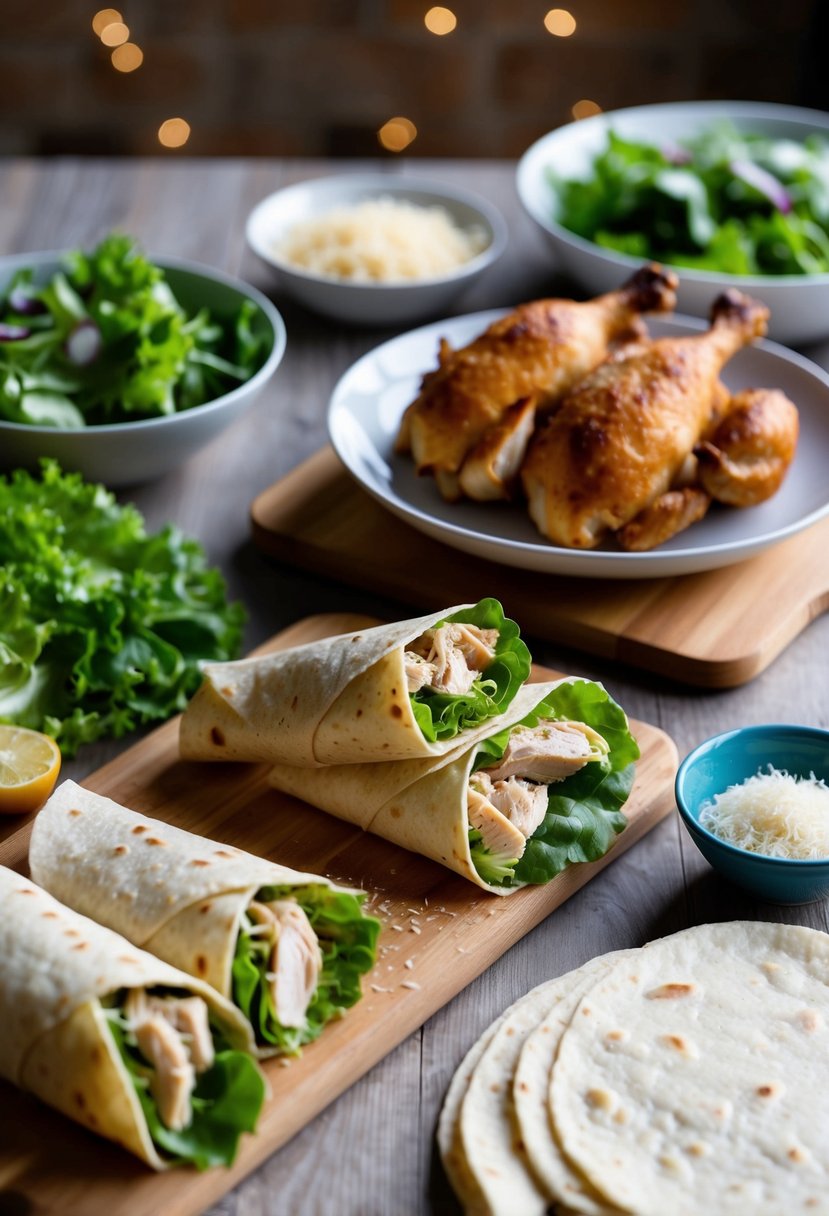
x: 550, y: 751
x: 507, y: 802
x: 450, y: 658
x: 173, y: 1034
x: 295, y: 960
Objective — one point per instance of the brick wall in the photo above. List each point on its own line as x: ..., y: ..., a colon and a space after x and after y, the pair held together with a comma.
x: 316, y: 77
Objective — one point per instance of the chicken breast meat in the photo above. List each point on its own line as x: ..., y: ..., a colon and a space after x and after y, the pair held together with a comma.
x: 621, y: 438
x: 534, y: 355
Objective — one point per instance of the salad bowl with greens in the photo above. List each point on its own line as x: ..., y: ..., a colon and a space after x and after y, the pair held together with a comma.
x: 120, y: 366
x: 731, y: 194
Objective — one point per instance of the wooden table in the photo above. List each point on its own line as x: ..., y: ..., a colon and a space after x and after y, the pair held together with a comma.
x: 372, y: 1152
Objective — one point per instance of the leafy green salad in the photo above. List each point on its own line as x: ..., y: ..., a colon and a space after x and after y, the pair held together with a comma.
x: 102, y: 624
x: 584, y: 811
x: 105, y: 340
x: 443, y: 715
x: 348, y: 941
x: 725, y: 200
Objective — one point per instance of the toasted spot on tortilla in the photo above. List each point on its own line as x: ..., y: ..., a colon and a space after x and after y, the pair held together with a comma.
x: 138, y: 829
x: 81, y: 946
x: 25, y: 891
x: 217, y: 737
x: 697, y: 1149
x: 201, y: 964
x: 395, y: 812
x: 227, y: 691
x: 670, y: 992
x: 769, y: 1091
x: 295, y: 702
x: 120, y: 850
x: 396, y: 711
x: 222, y: 853
x: 205, y: 908
x: 808, y: 1020
x: 71, y: 933
x: 49, y: 914
x: 74, y: 812
x: 95, y: 1055
x: 126, y: 958
x: 198, y: 861
x: 155, y: 840
x: 80, y: 1100
x: 601, y: 1099
x: 359, y: 713
x: 797, y: 1154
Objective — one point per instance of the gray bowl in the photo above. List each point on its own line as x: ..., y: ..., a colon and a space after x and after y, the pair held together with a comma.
x: 124, y: 453
x: 799, y: 304
x: 371, y: 303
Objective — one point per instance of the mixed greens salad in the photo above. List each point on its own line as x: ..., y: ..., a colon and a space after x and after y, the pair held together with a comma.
x: 725, y: 200
x: 584, y: 811
x: 442, y: 715
x: 102, y: 625
x: 226, y: 1102
x: 348, y: 940
x: 105, y: 340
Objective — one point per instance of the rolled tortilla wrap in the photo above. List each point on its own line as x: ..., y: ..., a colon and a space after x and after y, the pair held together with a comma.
x: 188, y: 900
x: 345, y: 700
x: 425, y: 805
x: 58, y: 973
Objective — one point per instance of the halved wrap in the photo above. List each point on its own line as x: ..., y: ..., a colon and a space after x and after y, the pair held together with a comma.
x: 117, y: 1039
x: 524, y: 796
x: 410, y: 689
x: 287, y: 948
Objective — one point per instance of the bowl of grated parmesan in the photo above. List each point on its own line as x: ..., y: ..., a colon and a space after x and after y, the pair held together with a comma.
x: 755, y: 802
x: 375, y: 248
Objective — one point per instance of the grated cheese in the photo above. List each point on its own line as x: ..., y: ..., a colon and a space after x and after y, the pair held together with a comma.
x: 381, y: 240
x: 773, y: 813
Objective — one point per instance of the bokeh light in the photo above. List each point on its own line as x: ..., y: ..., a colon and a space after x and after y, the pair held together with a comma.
x: 585, y: 109
x: 440, y: 20
x: 174, y: 133
x: 397, y: 134
x: 114, y: 34
x: 103, y: 18
x: 127, y: 57
x: 560, y: 22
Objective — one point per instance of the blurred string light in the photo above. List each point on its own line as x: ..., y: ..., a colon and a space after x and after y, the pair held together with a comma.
x: 560, y: 22
x: 127, y: 57
x: 585, y: 109
x: 397, y: 134
x: 174, y: 133
x: 114, y: 34
x: 103, y: 18
x: 440, y: 21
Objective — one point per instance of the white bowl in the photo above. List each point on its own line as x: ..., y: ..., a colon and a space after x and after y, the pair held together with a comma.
x: 371, y: 303
x: 799, y: 303
x: 124, y: 453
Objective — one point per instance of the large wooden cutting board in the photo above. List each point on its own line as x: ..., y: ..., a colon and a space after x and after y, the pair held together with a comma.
x: 446, y: 929
x: 716, y: 629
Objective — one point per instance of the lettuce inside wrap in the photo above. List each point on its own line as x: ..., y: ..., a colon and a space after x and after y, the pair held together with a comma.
x: 443, y: 715
x: 348, y: 941
x: 225, y: 1103
x: 584, y: 810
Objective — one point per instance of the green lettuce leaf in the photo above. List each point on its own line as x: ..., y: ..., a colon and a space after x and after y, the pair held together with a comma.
x: 226, y: 1102
x: 348, y: 940
x: 584, y: 812
x: 441, y: 715
x: 102, y: 625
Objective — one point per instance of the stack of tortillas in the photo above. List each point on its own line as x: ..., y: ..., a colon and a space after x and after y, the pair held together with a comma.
x: 688, y: 1077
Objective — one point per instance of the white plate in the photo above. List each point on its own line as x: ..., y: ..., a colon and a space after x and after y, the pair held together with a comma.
x: 369, y: 400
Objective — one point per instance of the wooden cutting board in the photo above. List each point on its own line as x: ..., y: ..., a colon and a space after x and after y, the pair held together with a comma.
x: 717, y: 629
x: 447, y: 929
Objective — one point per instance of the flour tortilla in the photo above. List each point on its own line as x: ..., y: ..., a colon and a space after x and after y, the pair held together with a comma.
x: 55, y: 966
x: 419, y: 804
x: 555, y: 1175
x: 694, y: 1079
x: 341, y: 700
x: 178, y: 895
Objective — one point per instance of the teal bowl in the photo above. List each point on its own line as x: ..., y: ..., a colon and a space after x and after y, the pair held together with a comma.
x: 730, y: 758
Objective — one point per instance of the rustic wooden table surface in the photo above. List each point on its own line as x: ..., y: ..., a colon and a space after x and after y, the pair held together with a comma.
x: 372, y: 1152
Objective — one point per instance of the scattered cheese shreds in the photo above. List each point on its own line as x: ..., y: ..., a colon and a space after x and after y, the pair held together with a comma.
x: 772, y: 813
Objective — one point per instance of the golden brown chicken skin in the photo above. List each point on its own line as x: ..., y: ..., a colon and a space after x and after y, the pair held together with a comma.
x: 747, y: 456
x: 617, y: 442
x: 540, y: 350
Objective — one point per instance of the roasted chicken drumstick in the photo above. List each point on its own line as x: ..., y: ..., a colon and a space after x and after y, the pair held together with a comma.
x: 618, y: 441
x: 532, y: 356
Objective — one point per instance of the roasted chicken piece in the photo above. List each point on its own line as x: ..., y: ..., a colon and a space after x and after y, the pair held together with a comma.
x: 538, y: 351
x: 746, y: 458
x: 173, y: 1035
x: 295, y: 958
x: 617, y: 442
x: 449, y: 658
x: 671, y: 512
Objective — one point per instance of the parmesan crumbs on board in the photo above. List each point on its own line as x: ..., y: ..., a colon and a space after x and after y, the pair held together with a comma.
x: 772, y: 813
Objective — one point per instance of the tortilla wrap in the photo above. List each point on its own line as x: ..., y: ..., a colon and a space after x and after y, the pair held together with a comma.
x: 55, y: 967
x: 173, y: 893
x: 692, y: 1078
x: 340, y: 700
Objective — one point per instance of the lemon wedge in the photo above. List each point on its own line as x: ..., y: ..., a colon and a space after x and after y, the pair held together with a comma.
x: 29, y: 767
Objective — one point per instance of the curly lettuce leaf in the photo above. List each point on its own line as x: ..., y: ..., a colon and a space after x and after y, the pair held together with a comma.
x: 584, y: 812
x: 441, y: 715
x: 102, y: 625
x: 226, y: 1102
x: 348, y: 940
x: 155, y: 357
